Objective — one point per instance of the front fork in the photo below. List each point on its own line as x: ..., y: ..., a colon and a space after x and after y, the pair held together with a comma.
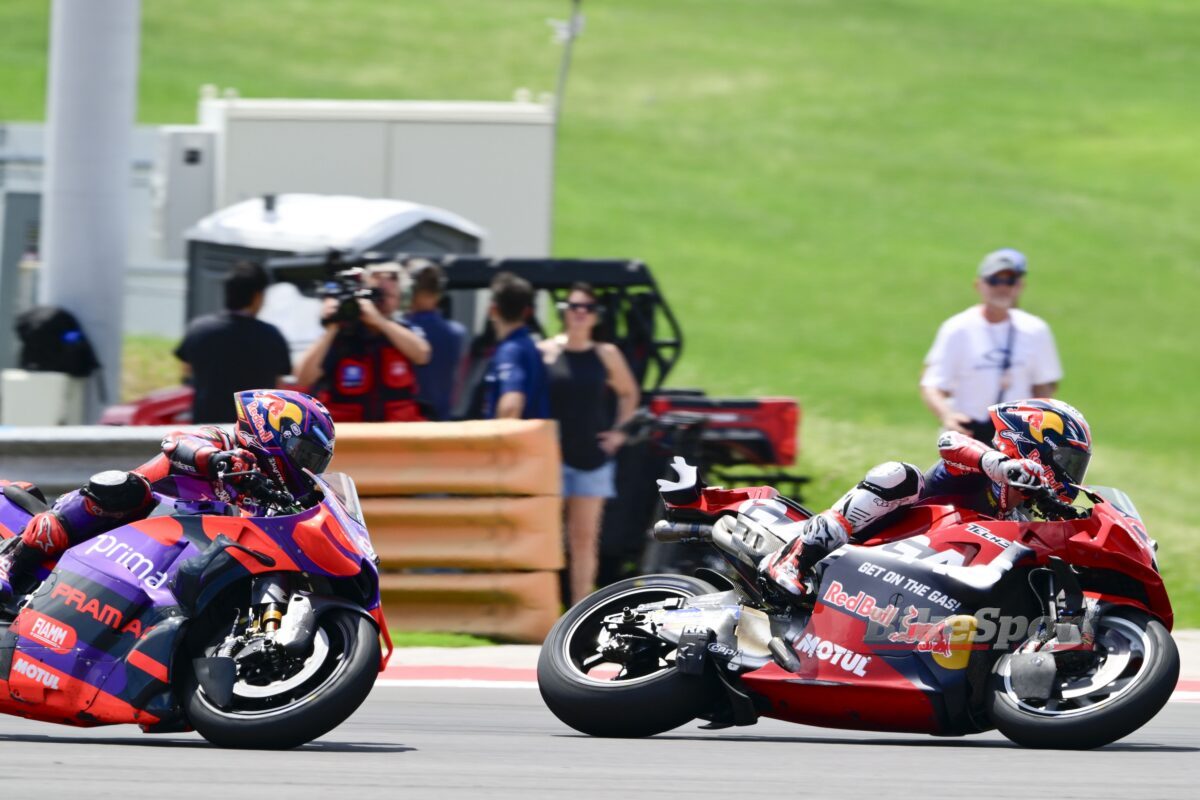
x: 268, y: 601
x: 1072, y: 627
x: 281, y: 613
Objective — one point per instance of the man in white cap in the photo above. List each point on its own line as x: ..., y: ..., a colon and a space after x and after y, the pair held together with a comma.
x: 989, y: 353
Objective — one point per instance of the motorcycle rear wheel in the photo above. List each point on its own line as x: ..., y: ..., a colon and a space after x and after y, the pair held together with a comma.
x: 642, y: 699
x: 332, y: 683
x: 1128, y: 685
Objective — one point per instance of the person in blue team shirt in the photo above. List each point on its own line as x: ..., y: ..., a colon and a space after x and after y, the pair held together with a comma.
x: 439, y: 379
x: 515, y: 385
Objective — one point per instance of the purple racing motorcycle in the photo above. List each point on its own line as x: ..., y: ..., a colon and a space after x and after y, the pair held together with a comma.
x: 261, y: 631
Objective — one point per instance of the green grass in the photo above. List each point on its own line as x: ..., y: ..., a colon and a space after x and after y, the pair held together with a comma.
x: 428, y: 639
x: 813, y: 182
x: 148, y: 363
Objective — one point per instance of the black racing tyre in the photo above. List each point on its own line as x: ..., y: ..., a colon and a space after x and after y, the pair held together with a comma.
x: 1130, y: 683
x: 644, y: 698
x: 332, y: 682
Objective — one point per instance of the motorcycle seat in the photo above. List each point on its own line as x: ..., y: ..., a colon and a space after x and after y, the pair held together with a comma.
x: 26, y: 499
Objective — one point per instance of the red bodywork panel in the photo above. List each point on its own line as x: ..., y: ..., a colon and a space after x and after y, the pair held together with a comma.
x: 715, y: 501
x: 869, y: 695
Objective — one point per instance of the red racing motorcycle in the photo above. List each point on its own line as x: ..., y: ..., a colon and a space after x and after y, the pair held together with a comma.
x: 938, y: 620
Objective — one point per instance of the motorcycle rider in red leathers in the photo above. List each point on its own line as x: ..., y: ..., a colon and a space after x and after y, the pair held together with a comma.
x: 278, y: 433
x: 1038, y: 442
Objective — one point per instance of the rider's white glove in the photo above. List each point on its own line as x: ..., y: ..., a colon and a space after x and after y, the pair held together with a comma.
x: 1025, y: 474
x: 1022, y: 473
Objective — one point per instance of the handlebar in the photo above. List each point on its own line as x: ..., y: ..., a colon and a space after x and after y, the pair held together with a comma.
x: 1045, y: 499
x: 258, y: 486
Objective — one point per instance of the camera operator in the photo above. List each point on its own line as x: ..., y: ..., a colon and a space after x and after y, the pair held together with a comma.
x: 362, y: 366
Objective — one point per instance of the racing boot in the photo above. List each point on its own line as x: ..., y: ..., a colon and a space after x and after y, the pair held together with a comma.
x: 886, y: 488
x: 790, y: 567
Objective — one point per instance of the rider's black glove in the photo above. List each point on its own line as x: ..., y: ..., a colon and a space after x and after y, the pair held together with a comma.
x: 227, y: 462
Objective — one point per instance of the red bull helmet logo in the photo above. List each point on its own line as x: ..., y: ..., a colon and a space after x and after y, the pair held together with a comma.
x: 1042, y: 422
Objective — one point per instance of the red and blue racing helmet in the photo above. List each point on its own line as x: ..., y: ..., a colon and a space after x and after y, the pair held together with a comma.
x: 1050, y: 432
x: 288, y: 432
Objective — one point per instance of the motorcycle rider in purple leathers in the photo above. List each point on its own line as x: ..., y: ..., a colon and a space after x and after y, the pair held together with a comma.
x: 278, y: 435
x: 1037, y: 443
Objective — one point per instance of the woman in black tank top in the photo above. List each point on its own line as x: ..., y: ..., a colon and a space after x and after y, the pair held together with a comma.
x: 584, y: 376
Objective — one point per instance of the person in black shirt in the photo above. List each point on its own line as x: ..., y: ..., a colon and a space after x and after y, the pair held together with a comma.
x: 584, y: 375
x: 231, y: 351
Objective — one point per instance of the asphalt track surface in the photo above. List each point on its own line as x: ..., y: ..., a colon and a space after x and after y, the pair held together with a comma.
x: 502, y: 743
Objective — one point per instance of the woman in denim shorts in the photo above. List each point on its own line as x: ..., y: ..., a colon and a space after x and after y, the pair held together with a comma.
x: 584, y: 374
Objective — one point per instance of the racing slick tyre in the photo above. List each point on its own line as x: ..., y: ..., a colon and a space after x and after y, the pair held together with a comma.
x: 307, y: 697
x: 1132, y: 677
x: 635, y: 693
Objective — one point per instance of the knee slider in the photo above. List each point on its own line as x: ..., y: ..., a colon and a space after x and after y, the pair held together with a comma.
x: 894, y: 482
x: 117, y: 492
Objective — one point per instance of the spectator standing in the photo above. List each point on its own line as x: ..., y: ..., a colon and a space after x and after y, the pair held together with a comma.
x: 990, y: 353
x: 438, y: 379
x: 584, y: 374
x: 514, y: 386
x: 362, y: 369
x: 231, y: 351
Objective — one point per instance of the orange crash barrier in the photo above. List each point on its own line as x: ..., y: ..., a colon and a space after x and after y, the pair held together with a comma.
x: 514, y: 606
x: 480, y: 496
x: 481, y: 533
x: 480, y: 457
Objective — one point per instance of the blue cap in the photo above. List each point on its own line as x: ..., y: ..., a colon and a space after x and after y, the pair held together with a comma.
x: 1001, y: 260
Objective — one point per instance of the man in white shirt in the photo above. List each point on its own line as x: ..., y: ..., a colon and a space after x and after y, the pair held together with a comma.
x: 989, y: 353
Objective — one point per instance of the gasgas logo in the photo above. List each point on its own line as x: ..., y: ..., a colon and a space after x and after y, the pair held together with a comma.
x: 835, y: 654
x: 35, y: 673
x: 58, y: 636
x: 142, y: 567
x: 101, y: 612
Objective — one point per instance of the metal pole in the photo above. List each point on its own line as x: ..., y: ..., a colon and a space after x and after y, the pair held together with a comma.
x: 90, y: 107
x: 567, y: 33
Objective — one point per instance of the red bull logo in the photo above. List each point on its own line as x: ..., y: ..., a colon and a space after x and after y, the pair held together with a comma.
x: 260, y: 425
x: 279, y: 409
x: 862, y: 604
x: 1041, y: 422
x: 948, y: 640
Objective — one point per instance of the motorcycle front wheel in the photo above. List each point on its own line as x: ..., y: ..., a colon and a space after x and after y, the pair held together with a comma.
x: 1126, y: 683
x: 310, y: 696
x: 636, y: 694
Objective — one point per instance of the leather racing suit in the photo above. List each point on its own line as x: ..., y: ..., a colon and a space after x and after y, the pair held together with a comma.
x: 114, y: 498
x: 970, y: 474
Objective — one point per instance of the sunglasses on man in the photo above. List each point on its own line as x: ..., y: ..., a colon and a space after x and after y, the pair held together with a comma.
x: 1003, y: 279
